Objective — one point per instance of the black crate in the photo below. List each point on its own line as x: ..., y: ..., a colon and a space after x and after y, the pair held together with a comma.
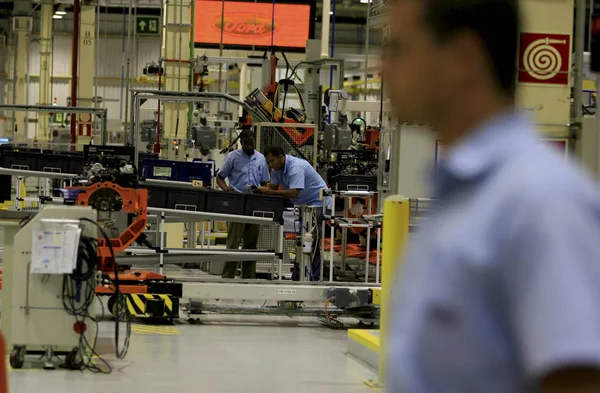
x: 264, y: 206
x: 54, y: 163
x: 355, y: 183
x: 186, y: 199
x: 75, y: 165
x: 157, y: 196
x: 20, y: 160
x: 225, y: 202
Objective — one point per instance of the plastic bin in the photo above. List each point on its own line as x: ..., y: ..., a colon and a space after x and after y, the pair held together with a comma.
x: 20, y: 160
x: 157, y: 196
x: 264, y: 206
x: 225, y: 202
x: 355, y: 183
x: 186, y: 199
x: 57, y: 163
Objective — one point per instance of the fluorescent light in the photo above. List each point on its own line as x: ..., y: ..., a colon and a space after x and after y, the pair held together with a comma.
x: 57, y: 16
x: 366, y: 1
x: 330, y: 12
x: 61, y: 12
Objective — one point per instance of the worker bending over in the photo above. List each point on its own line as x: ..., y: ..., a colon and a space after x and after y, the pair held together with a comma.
x: 302, y: 185
x: 243, y: 168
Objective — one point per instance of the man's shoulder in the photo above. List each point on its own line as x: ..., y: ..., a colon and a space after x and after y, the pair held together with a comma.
x: 539, y: 173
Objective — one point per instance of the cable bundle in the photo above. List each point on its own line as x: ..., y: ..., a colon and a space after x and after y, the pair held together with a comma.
x: 79, y: 294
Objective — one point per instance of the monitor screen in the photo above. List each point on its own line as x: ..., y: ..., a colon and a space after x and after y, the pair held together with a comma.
x: 162, y: 171
x: 258, y: 24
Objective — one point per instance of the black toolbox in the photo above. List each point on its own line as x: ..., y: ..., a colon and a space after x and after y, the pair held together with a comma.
x: 225, y: 202
x: 264, y: 206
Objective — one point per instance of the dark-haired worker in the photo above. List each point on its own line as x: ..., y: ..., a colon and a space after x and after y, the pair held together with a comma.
x: 498, y: 291
x: 303, y: 185
x: 243, y: 168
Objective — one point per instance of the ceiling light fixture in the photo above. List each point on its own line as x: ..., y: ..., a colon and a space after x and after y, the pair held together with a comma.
x: 61, y: 12
x: 365, y: 1
x: 330, y: 12
x: 56, y: 16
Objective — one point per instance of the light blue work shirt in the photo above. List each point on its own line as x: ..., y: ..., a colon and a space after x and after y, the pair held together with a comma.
x: 242, y: 170
x: 298, y: 174
x: 501, y: 284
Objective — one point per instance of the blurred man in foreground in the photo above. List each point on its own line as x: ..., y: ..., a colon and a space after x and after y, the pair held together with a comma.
x: 499, y: 292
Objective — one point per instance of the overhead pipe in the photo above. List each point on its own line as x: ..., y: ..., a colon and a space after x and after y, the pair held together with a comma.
x: 74, y: 70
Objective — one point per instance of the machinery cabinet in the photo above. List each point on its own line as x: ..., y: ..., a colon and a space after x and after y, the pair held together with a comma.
x: 264, y: 206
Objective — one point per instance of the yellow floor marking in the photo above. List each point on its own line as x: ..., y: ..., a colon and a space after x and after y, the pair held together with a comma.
x: 155, y: 330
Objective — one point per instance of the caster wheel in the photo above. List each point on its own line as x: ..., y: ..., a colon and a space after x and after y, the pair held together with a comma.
x: 17, y: 358
x: 73, y: 361
x: 112, y: 308
x: 112, y: 304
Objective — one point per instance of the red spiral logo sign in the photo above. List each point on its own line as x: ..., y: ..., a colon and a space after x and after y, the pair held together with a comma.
x: 544, y: 58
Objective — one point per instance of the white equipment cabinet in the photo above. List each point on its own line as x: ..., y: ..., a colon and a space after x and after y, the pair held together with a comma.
x: 36, y: 317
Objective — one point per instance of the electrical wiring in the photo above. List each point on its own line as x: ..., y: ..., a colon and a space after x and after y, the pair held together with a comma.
x: 78, y: 297
x: 120, y: 299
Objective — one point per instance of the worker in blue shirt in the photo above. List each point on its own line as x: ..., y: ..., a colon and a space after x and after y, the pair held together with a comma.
x: 243, y: 168
x: 303, y: 185
x: 499, y: 290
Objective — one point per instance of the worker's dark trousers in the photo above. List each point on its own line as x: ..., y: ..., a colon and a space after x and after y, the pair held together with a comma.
x: 247, y: 235
x: 315, y: 265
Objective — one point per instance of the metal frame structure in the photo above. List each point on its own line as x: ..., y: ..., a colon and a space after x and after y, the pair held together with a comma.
x: 259, y: 126
x: 137, y: 95
x: 101, y: 112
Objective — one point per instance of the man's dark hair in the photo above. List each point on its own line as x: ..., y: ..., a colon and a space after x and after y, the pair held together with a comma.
x: 246, y: 134
x: 496, y: 22
x: 274, y: 151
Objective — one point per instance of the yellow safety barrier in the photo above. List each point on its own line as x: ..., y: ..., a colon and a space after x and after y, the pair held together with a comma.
x: 396, y: 214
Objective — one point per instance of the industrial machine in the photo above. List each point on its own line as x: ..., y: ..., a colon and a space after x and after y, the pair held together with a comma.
x: 109, y: 186
x: 53, y: 276
x: 49, y: 299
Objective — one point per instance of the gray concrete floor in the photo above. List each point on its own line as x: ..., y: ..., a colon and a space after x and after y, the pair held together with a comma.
x: 228, y: 354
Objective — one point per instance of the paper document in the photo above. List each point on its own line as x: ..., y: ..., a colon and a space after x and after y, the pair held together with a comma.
x: 54, y: 251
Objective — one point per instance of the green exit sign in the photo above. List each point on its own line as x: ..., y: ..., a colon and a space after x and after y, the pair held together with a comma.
x: 148, y: 25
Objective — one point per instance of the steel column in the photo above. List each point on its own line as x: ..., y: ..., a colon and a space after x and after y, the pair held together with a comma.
x: 46, y: 29
x: 87, y: 61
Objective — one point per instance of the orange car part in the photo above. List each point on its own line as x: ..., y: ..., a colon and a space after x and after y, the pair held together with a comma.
x: 135, y: 201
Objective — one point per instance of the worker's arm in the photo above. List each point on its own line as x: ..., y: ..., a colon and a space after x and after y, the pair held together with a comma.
x: 289, y: 194
x: 265, y: 177
x: 223, y: 184
x: 549, y: 291
x: 224, y: 173
x: 574, y: 380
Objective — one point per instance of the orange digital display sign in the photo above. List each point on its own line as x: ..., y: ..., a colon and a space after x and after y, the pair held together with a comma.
x: 253, y: 24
